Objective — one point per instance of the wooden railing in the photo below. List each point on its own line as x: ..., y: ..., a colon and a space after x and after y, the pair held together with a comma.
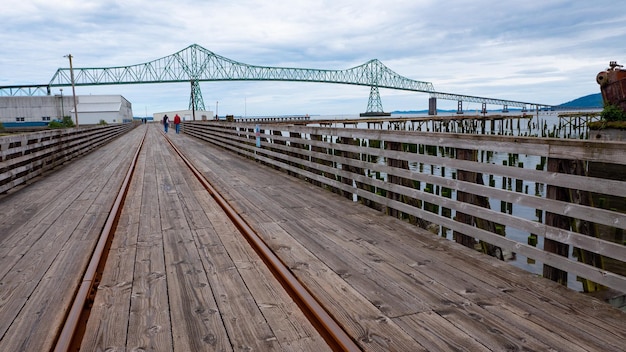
x: 451, y: 182
x: 27, y: 155
x: 274, y: 119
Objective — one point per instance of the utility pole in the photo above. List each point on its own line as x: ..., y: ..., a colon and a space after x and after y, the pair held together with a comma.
x: 69, y: 56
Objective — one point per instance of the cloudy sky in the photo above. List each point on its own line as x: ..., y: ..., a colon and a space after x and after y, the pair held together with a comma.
x: 543, y: 51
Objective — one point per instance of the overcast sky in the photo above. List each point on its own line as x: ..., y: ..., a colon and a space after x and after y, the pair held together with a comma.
x: 542, y: 51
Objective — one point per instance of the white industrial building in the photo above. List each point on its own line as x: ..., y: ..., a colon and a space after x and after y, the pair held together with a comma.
x: 43, y: 109
x: 185, y: 115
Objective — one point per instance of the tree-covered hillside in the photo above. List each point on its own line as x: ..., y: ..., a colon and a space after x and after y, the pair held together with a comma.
x: 588, y: 101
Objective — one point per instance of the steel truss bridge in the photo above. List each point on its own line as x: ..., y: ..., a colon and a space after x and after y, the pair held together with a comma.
x: 196, y: 64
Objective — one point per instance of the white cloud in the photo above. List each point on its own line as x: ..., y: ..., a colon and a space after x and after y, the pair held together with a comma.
x: 539, y: 51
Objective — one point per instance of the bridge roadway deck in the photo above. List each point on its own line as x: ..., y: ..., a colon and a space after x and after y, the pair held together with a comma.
x: 179, y: 279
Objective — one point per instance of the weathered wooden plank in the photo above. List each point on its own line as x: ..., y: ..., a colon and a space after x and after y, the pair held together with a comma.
x: 597, y: 215
x: 574, y: 330
x: 558, y: 148
x: 608, y: 279
x: 24, y: 225
x: 558, y: 301
x: 150, y: 222
x: 191, y: 298
x: 25, y: 307
x: 149, y: 324
x: 600, y: 276
x: 369, y: 331
x: 36, y: 261
x: 282, y: 315
x: 599, y: 185
x: 226, y: 253
x: 421, y: 258
x: 33, y: 158
x: 452, y: 295
x: 494, y: 281
x: 438, y: 334
x: 530, y: 175
x: 34, y: 201
x: 496, y: 334
x: 107, y: 326
x: 234, y: 304
x: 358, y: 316
x: 52, y: 266
x: 366, y: 271
x: 530, y: 327
x: 528, y: 331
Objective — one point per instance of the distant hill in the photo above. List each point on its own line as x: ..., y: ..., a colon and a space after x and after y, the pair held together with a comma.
x: 588, y: 101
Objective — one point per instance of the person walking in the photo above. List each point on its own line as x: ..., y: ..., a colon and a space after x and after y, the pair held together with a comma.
x: 166, y: 122
x: 177, y: 123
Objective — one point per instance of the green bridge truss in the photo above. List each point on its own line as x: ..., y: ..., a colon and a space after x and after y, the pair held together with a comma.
x: 196, y: 64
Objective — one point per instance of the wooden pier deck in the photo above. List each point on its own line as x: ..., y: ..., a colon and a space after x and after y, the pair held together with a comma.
x: 178, y: 279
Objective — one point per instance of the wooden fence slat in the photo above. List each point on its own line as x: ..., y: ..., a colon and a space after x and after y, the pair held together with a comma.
x: 286, y: 150
x: 29, y: 155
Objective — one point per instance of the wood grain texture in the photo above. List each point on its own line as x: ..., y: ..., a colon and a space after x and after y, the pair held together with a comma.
x: 439, y: 294
x: 51, y: 230
x: 192, y: 282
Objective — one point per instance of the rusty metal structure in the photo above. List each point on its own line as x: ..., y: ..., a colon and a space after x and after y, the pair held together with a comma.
x: 612, y: 83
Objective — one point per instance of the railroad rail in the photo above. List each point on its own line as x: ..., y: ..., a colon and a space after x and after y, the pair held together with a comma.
x: 73, y: 330
x: 76, y: 320
x: 179, y: 276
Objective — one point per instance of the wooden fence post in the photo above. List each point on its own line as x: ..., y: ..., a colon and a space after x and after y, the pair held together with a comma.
x: 572, y: 167
x: 293, y: 136
x: 475, y: 199
x: 556, y: 220
x: 350, y: 168
x: 393, y: 179
x: 276, y: 132
x: 462, y: 175
x: 402, y: 164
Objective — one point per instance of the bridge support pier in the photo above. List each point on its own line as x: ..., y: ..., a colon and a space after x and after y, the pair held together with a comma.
x: 374, y: 104
x: 432, y: 106
x: 196, y: 103
x: 484, y: 109
x: 459, y: 109
x: 505, y: 108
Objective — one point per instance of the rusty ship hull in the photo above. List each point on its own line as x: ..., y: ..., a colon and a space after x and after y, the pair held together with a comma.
x: 612, y: 83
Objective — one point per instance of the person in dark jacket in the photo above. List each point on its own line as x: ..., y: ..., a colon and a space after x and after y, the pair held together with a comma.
x: 166, y: 122
x: 177, y: 123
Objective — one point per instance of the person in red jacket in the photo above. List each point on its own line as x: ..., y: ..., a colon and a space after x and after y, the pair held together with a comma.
x: 177, y: 123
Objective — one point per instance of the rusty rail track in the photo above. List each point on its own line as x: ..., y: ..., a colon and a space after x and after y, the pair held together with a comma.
x: 334, y: 335
x: 72, y: 332
x: 76, y: 320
